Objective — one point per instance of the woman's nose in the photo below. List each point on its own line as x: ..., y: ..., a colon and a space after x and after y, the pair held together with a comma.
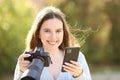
x: 53, y: 36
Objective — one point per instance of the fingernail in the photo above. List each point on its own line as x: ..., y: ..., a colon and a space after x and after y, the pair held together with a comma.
x: 66, y: 63
x: 71, y: 61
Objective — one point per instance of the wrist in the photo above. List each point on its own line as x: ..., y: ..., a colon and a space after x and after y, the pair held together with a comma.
x: 75, y: 76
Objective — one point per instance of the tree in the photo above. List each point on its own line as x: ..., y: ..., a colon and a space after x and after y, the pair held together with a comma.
x: 113, y: 11
x: 91, y: 16
x: 15, y: 20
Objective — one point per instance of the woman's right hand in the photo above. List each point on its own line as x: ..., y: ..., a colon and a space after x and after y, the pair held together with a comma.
x: 23, y: 64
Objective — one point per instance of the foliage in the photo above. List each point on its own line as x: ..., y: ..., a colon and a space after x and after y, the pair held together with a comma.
x: 113, y: 10
x: 97, y: 25
x: 94, y: 23
x: 14, y: 24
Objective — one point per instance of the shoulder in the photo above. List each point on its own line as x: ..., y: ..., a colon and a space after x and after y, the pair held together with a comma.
x: 81, y: 57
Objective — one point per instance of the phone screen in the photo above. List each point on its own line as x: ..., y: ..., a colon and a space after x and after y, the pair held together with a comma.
x: 71, y: 53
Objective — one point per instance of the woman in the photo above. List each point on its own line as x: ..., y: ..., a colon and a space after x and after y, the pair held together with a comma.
x: 50, y: 31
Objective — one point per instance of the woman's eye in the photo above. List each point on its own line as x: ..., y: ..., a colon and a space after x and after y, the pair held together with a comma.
x: 59, y: 31
x: 47, y: 31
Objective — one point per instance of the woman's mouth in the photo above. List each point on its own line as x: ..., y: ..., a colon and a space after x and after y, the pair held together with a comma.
x: 52, y: 42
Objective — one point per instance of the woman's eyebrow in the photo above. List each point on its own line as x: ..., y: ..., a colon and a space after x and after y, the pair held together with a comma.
x: 49, y: 29
x: 45, y: 28
x: 60, y: 29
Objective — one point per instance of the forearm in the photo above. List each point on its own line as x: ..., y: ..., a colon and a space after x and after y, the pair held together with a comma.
x: 18, y: 73
x: 86, y: 73
x: 81, y: 77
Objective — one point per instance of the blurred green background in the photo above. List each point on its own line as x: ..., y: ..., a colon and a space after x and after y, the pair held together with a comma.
x: 94, y: 23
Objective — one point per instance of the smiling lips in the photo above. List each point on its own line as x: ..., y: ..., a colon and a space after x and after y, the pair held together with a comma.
x: 52, y: 42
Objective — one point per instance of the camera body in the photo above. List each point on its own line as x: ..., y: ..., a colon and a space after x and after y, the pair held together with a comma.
x: 39, y: 53
x: 39, y: 59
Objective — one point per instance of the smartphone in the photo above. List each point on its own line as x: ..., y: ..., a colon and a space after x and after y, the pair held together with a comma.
x: 71, y: 53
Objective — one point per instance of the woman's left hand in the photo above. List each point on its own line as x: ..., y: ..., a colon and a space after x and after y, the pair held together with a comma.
x: 74, y: 68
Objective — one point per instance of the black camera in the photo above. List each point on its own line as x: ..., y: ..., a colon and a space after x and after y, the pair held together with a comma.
x: 39, y: 53
x: 38, y: 59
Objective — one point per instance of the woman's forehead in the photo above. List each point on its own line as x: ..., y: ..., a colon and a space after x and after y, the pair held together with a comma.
x: 52, y: 23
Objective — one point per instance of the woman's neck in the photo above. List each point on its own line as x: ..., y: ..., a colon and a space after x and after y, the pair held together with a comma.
x: 54, y: 51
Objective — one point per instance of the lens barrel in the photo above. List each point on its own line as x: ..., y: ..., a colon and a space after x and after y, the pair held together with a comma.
x: 34, y: 70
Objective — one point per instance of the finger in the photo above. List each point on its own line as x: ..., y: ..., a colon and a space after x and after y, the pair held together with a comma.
x: 75, y: 63
x: 68, y: 69
x: 74, y: 72
x: 24, y: 63
x: 21, y: 57
x: 69, y: 65
x: 74, y: 68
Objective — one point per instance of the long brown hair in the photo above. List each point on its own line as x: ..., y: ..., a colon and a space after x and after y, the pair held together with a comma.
x: 33, y: 40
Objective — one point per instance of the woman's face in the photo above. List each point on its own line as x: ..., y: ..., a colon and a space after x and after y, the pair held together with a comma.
x: 51, y: 33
